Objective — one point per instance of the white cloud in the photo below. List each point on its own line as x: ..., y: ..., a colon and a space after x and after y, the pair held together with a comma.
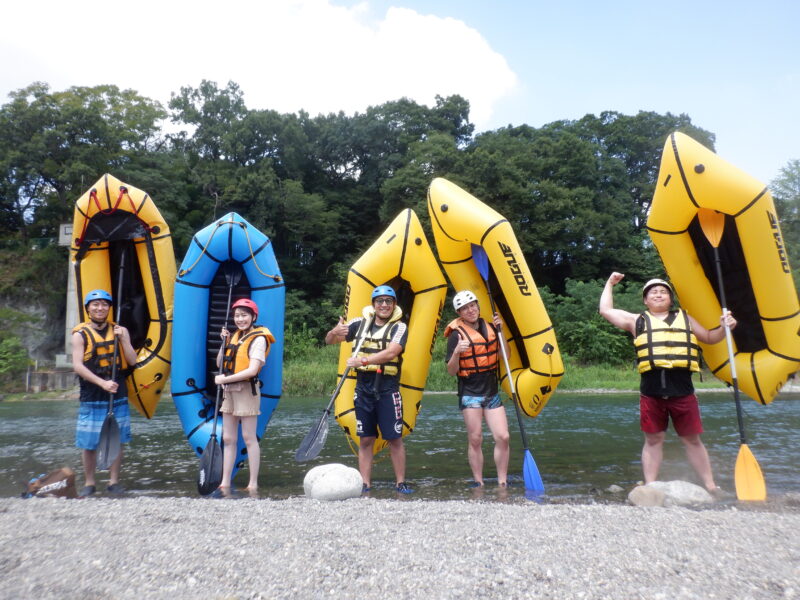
x: 285, y: 55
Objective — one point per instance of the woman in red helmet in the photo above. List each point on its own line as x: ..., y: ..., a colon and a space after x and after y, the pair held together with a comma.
x: 241, y: 358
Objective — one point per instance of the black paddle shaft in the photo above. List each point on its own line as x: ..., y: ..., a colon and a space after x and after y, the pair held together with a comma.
x: 304, y: 452
x: 522, y: 432
x: 120, y: 281
x: 739, y: 416
x: 232, y: 276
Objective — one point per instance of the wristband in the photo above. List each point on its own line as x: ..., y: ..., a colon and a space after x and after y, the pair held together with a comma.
x: 364, y: 361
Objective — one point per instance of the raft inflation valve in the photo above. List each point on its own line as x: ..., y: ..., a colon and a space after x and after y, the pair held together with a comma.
x: 444, y: 207
x: 699, y: 168
x: 418, y: 241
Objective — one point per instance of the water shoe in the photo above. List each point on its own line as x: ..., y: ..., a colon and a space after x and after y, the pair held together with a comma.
x: 87, y: 490
x: 404, y: 488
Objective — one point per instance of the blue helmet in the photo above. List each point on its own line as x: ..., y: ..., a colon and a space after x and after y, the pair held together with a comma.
x: 97, y: 295
x: 384, y: 290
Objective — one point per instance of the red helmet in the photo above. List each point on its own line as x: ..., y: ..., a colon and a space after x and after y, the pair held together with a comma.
x: 247, y: 303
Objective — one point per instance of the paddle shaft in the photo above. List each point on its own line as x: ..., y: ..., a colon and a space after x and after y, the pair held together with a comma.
x: 729, y: 341
x: 231, y: 282
x: 308, y: 447
x: 360, y: 340
x: 116, y: 319
x: 508, y: 372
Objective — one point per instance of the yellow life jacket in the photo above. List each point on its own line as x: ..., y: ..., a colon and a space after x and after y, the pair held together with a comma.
x: 98, y: 351
x: 482, y: 353
x: 377, y: 340
x: 237, y: 351
x: 663, y: 346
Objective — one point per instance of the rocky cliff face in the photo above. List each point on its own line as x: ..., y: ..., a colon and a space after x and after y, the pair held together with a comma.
x: 33, y: 298
x: 40, y: 331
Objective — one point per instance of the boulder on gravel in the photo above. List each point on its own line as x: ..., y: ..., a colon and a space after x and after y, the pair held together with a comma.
x: 669, y: 493
x: 332, y: 482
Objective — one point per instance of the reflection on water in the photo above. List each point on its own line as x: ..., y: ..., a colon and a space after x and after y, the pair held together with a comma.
x: 582, y: 444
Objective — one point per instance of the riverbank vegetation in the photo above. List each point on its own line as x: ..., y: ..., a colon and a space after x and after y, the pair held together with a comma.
x: 322, y: 187
x: 315, y: 375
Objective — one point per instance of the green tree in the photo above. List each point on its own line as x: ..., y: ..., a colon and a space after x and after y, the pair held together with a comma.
x: 638, y: 141
x: 567, y: 201
x: 436, y: 154
x: 54, y: 144
x: 786, y: 193
x: 581, y: 332
x: 13, y: 362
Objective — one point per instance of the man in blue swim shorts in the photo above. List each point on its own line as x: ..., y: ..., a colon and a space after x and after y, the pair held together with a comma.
x: 378, y: 403
x: 472, y: 349
x: 92, y: 359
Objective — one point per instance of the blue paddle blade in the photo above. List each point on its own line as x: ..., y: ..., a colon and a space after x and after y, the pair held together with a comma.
x: 530, y: 473
x: 481, y: 260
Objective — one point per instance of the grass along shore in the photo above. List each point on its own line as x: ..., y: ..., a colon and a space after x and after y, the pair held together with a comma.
x: 315, y: 373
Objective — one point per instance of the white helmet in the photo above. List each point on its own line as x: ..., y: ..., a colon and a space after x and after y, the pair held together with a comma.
x: 654, y: 282
x: 463, y: 298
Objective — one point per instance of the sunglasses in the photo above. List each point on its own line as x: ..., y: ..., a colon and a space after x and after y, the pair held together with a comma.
x: 383, y: 301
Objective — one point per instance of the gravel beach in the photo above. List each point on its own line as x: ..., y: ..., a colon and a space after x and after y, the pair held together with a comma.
x: 377, y: 548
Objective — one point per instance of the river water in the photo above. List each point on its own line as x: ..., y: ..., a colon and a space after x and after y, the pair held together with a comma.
x: 581, y: 443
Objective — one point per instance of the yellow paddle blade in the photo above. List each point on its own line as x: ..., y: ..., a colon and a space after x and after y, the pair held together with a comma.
x: 749, y: 480
x: 712, y: 223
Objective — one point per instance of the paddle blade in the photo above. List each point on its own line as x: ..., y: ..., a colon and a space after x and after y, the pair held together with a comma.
x: 712, y: 223
x: 481, y: 260
x: 233, y: 273
x: 210, y: 474
x: 750, y: 483
x: 530, y: 474
x: 109, y: 445
x: 314, y: 441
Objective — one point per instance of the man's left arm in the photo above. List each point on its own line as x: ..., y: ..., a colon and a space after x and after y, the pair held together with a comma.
x: 712, y: 336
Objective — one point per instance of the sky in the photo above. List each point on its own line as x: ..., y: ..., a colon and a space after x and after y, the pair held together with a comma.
x: 733, y: 66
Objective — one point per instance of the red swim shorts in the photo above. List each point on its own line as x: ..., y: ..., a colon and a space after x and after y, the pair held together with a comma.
x: 655, y: 413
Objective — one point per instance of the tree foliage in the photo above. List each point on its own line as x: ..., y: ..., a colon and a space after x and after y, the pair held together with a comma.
x: 323, y: 187
x: 582, y: 333
x: 786, y: 193
x: 54, y: 144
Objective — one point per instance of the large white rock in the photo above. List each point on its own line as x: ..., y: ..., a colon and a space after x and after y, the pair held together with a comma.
x: 332, y: 482
x: 643, y: 495
x: 669, y: 493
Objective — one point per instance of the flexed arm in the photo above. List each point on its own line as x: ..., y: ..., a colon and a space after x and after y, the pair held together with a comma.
x: 619, y: 318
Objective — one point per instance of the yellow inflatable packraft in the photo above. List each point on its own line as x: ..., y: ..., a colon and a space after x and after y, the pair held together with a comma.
x: 402, y: 258
x: 757, y: 279
x: 121, y: 242
x: 459, y: 221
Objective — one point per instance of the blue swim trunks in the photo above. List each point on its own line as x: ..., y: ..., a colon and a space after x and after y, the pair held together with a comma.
x: 480, y: 402
x: 91, y: 415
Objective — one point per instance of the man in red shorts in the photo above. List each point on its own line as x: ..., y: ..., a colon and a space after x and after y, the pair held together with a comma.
x: 667, y: 354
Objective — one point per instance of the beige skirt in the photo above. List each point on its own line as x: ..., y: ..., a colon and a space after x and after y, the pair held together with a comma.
x: 239, y: 400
